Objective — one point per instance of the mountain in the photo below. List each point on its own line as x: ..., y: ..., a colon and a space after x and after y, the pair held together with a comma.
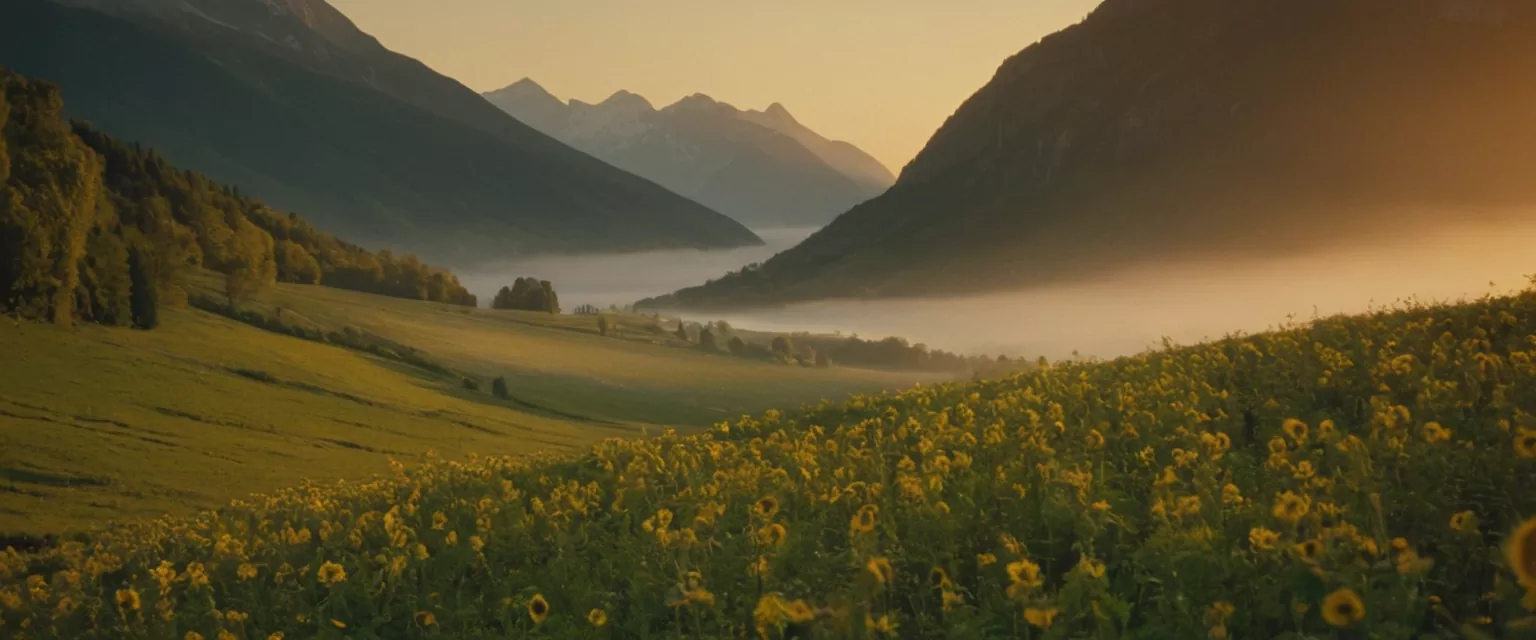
x: 1159, y: 130
x: 290, y: 101
x: 98, y: 230
x: 762, y: 168
x: 842, y: 156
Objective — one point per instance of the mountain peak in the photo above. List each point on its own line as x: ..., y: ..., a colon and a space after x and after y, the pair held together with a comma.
x: 523, y: 88
x: 697, y: 101
x: 778, y: 111
x: 622, y: 98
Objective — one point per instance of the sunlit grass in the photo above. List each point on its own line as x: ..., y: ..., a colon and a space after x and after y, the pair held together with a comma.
x: 101, y: 424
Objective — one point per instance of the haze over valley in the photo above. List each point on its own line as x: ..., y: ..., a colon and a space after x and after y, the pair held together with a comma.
x: 1121, y: 312
x: 897, y: 320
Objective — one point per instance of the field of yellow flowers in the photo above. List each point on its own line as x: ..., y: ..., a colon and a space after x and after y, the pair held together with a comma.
x: 1369, y: 476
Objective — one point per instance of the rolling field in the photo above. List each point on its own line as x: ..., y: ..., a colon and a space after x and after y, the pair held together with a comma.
x: 1354, y: 477
x: 561, y: 363
x: 101, y: 424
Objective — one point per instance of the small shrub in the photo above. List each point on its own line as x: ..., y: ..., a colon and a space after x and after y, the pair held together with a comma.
x: 499, y: 388
x: 469, y: 383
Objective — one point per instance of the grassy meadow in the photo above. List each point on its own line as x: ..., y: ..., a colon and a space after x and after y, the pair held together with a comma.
x: 101, y: 424
x: 1354, y: 477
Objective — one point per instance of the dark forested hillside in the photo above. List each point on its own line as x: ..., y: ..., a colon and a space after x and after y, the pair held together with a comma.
x: 103, y: 231
x: 370, y: 145
x: 1173, y: 129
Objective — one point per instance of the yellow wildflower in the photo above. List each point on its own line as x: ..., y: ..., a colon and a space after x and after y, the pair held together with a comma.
x: 939, y: 577
x: 1291, y: 508
x: 1464, y: 522
x: 128, y: 599
x: 538, y: 609
x: 881, y: 569
x: 1042, y: 618
x: 424, y: 618
x: 883, y: 625
x: 1525, y: 443
x: 597, y: 618
x: 1023, y: 577
x: 1092, y: 568
x: 772, y: 535
x: 1309, y: 551
x: 766, y: 507
x: 1263, y: 539
x: 331, y: 574
x: 1434, y: 433
x: 1295, y: 429
x: 1521, y: 552
x: 1343, y: 608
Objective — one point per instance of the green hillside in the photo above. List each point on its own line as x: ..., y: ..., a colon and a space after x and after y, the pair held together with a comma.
x: 450, y: 178
x: 100, y: 424
x: 1356, y: 477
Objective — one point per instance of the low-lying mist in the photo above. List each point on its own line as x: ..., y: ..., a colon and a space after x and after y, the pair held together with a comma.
x: 1107, y: 317
x: 621, y: 279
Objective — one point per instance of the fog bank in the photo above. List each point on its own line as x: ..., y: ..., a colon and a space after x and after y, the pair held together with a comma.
x: 1107, y: 317
x: 621, y: 279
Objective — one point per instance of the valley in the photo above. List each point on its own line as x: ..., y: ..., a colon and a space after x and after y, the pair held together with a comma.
x: 105, y: 424
x: 1198, y: 319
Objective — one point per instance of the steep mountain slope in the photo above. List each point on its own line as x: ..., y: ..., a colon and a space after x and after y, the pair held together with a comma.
x: 761, y: 168
x: 1173, y: 129
x: 292, y: 103
x: 849, y: 160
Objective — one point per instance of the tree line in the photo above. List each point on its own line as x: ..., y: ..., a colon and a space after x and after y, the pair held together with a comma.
x: 891, y: 353
x: 95, y: 229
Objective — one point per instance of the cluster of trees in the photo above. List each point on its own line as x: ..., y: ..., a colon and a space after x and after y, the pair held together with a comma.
x: 528, y: 294
x: 822, y: 351
x: 102, y: 231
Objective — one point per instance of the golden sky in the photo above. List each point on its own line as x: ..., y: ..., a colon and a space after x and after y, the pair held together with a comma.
x: 880, y: 74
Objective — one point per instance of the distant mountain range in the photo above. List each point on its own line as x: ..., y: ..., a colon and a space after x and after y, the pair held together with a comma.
x: 762, y: 168
x: 1161, y: 130
x: 290, y: 101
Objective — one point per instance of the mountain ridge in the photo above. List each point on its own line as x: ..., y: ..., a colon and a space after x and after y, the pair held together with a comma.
x: 766, y: 170
x: 1188, y: 129
x: 375, y: 146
